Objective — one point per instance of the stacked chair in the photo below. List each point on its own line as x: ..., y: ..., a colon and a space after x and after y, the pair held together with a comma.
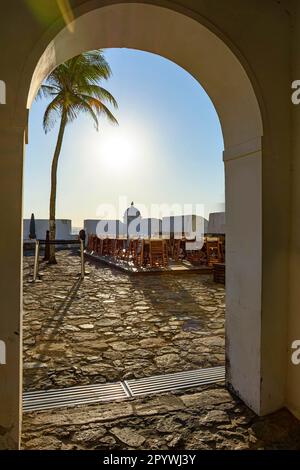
x: 156, y: 253
x: 215, y: 251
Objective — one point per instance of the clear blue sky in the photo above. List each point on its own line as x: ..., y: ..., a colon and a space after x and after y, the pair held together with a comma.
x: 167, y: 148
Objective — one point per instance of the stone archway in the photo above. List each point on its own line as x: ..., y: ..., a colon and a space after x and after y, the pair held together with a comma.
x: 195, y: 46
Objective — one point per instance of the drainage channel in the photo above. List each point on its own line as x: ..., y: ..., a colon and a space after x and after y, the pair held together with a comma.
x: 42, y: 400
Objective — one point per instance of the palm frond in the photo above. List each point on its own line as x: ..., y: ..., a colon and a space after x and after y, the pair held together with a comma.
x: 47, y: 91
x: 88, y: 109
x: 98, y: 92
x: 100, y: 108
x: 53, y: 112
x: 74, y: 87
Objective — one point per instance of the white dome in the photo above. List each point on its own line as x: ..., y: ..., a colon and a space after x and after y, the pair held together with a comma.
x: 132, y: 212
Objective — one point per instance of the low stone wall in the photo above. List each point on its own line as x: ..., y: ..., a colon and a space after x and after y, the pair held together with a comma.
x: 63, y: 229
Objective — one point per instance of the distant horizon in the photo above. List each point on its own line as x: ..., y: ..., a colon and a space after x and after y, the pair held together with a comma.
x: 166, y: 150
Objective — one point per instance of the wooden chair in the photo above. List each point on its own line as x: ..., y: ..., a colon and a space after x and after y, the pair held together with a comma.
x: 129, y: 250
x: 213, y: 252
x: 158, y: 253
x: 98, y: 246
x: 170, y: 245
x: 112, y: 247
x: 95, y: 243
x: 90, y: 242
x: 176, y: 250
x: 196, y: 257
x: 105, y: 247
x: 119, y: 249
x: 222, y: 248
x: 138, y: 255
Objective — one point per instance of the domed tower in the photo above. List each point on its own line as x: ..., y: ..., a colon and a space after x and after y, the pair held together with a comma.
x: 132, y: 218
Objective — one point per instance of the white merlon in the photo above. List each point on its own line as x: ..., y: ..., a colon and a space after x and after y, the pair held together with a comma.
x: 63, y: 229
x: 216, y: 223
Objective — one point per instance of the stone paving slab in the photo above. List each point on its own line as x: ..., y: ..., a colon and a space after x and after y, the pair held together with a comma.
x: 174, y: 267
x: 205, y: 419
x: 112, y: 327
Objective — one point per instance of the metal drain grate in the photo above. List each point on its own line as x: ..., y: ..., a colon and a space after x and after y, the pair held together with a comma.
x: 72, y: 396
x: 177, y: 381
x: 87, y: 394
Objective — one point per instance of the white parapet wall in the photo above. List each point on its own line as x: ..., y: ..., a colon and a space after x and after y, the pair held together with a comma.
x: 104, y: 228
x: 216, y: 223
x: 90, y: 226
x: 188, y: 224
x: 63, y: 229
x: 150, y: 227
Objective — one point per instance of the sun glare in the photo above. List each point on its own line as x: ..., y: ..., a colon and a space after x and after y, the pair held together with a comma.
x: 117, y: 149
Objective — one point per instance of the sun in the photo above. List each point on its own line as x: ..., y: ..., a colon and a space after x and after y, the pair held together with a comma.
x: 118, y: 149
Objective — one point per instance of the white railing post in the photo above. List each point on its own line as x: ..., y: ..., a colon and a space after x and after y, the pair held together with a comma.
x: 36, y: 260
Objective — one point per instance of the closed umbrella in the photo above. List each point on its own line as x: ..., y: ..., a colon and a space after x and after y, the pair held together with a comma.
x: 32, y: 234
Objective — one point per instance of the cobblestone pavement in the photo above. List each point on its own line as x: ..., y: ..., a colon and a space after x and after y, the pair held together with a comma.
x: 114, y: 326
x: 203, y: 420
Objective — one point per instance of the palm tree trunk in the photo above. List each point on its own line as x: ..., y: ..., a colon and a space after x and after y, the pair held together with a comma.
x: 52, y: 223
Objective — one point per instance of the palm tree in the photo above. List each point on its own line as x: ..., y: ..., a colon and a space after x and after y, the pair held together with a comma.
x: 74, y: 88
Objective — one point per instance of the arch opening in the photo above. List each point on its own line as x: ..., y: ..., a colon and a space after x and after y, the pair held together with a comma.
x: 184, y: 139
